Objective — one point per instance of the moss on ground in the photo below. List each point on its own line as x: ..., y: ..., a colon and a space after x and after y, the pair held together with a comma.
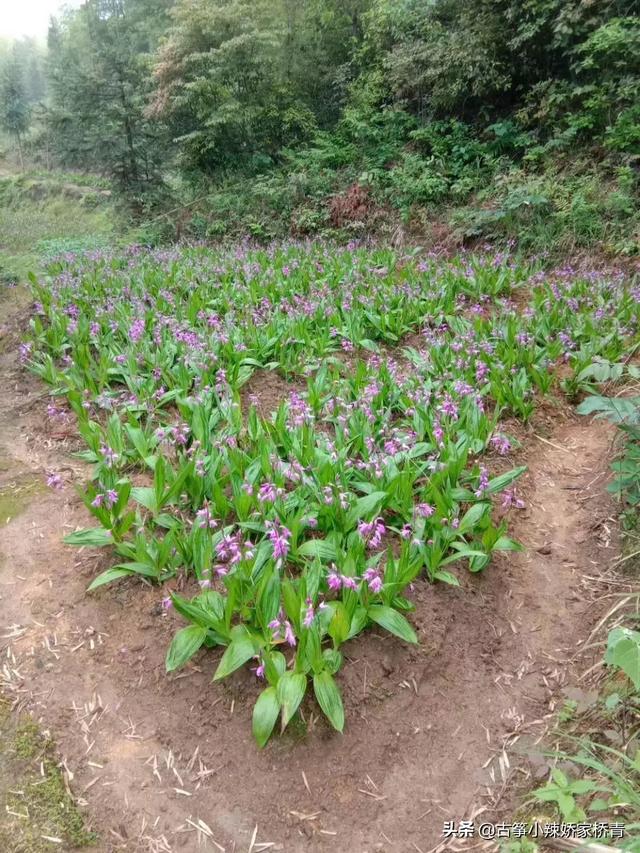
x: 37, y: 812
x: 16, y: 496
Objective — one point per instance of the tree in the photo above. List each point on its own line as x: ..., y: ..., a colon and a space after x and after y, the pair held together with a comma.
x: 14, y: 105
x: 99, y: 78
x: 238, y: 80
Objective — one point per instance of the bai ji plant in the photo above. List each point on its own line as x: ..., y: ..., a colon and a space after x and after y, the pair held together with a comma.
x: 383, y: 462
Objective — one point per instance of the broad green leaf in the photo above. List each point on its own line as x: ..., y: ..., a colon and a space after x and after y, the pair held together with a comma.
x: 238, y: 652
x: 212, y: 602
x: 265, y: 714
x: 275, y: 665
x: 498, y: 484
x: 446, y: 577
x: 623, y: 651
x: 290, y: 691
x: 329, y: 698
x: 318, y: 548
x: 332, y: 659
x: 200, y: 615
x: 461, y: 554
x: 93, y: 537
x: 472, y: 516
x: 135, y: 568
x: 459, y: 494
x: 392, y: 621
x: 358, y: 622
x: 368, y: 505
x: 107, y: 577
x: 184, y: 645
x: 340, y: 624
x: 504, y: 543
x: 146, y: 497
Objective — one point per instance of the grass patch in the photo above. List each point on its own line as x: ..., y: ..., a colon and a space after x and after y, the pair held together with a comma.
x: 39, y: 217
x: 36, y: 804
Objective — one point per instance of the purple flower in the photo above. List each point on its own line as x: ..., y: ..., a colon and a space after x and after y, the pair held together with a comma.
x: 483, y: 483
x: 371, y: 532
x: 289, y: 636
x: 501, y: 444
x: 282, y: 630
x: 310, y: 614
x: 167, y: 603
x: 425, y: 510
x: 449, y: 408
x: 268, y: 493
x: 279, y: 536
x: 136, y: 331
x: 510, y: 499
x: 204, y: 518
x: 333, y: 580
x: 259, y: 670
x: 54, y: 481
x: 373, y: 579
x: 110, y: 456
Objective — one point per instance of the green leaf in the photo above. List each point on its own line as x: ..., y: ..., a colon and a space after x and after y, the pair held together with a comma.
x: 239, y: 651
x: 463, y: 553
x: 93, y: 537
x: 612, y: 701
x: 290, y: 691
x: 146, y: 497
x: 340, y: 624
x: 472, y: 516
x: 199, y: 614
x: 392, y: 621
x: 623, y: 651
x: 107, y: 577
x: 358, y: 622
x: 184, y: 645
x: 497, y: 484
x: 329, y: 698
x: 459, y: 494
x: 446, y: 577
x: 265, y: 714
x: 332, y: 659
x: 504, y: 543
x: 318, y: 548
x: 365, y: 506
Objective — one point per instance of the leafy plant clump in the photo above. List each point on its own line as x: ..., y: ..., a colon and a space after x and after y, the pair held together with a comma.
x: 307, y: 525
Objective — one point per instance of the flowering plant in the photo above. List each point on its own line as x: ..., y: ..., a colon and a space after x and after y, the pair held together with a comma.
x: 305, y: 524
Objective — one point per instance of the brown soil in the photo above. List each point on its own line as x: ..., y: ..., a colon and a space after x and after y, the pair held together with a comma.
x: 433, y: 733
x: 266, y: 390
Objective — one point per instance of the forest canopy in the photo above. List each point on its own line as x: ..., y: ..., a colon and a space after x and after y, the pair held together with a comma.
x: 414, y: 102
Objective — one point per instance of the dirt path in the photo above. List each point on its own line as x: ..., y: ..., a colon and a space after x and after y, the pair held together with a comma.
x: 150, y: 756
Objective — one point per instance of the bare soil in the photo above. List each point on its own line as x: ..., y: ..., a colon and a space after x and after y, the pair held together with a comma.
x: 441, y: 731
